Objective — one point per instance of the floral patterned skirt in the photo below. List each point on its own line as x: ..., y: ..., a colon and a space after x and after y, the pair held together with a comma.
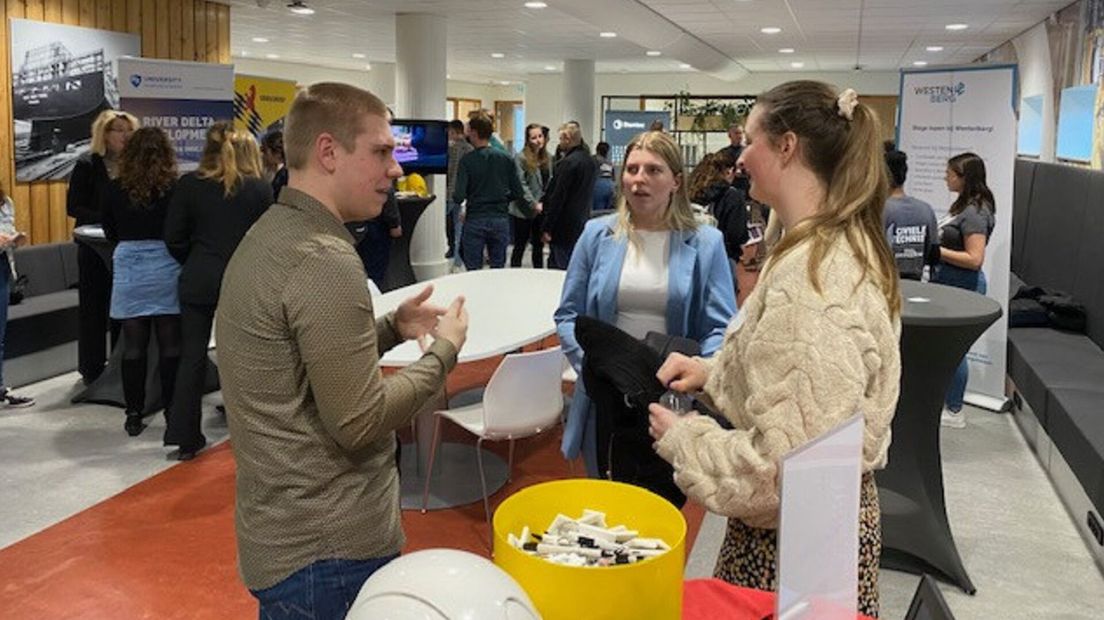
x: 748, y: 553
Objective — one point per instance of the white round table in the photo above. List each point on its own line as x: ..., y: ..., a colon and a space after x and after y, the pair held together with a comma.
x: 507, y: 309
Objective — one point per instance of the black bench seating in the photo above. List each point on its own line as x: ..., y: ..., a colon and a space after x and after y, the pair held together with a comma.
x: 1056, y: 378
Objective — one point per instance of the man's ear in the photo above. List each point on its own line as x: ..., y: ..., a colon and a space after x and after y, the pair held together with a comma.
x: 325, y: 152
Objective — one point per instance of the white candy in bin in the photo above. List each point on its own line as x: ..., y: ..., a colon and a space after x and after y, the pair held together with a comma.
x: 588, y: 541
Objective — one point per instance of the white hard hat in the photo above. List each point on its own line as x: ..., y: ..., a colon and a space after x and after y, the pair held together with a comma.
x: 442, y: 584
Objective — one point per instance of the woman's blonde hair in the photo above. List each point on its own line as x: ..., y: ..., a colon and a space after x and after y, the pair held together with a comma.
x: 229, y: 156
x: 102, y: 122
x: 679, y: 214
x: 846, y: 154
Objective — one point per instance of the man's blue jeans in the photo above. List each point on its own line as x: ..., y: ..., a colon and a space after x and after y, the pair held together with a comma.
x: 492, y: 233
x: 324, y: 590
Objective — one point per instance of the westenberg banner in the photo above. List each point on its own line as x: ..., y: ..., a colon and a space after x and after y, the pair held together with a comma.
x: 182, y: 98
x: 942, y: 113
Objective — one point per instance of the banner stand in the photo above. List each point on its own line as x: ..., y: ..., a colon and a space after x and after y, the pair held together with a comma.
x: 944, y: 112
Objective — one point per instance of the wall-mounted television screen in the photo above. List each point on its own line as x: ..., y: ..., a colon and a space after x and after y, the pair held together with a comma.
x: 421, y: 146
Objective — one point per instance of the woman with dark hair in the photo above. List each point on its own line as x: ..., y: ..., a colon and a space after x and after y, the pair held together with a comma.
x: 711, y: 186
x: 144, y: 284
x: 272, y: 155
x: 817, y: 339
x: 963, y: 235
x: 10, y: 239
x: 604, y: 187
x: 210, y: 212
x: 91, y: 174
x: 534, y: 168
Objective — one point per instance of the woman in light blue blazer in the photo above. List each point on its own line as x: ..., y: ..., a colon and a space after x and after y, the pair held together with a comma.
x: 648, y: 267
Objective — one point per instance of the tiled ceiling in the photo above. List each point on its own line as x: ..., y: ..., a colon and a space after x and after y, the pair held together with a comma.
x: 826, y: 35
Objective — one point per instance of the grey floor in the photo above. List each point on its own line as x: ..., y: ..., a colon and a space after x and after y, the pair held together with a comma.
x: 1013, y: 533
x: 57, y: 459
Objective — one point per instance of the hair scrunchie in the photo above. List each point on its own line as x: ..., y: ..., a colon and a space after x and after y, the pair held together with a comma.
x: 846, y: 103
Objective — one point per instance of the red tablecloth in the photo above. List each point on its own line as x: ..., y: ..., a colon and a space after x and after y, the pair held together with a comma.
x: 709, y: 599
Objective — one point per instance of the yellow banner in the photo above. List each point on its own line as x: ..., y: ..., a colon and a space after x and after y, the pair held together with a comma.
x: 260, y: 104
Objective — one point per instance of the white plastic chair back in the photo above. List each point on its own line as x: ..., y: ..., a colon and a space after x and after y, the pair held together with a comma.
x: 524, y: 396
x: 373, y: 289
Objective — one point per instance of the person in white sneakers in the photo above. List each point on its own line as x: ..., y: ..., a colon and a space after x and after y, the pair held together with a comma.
x: 9, y: 240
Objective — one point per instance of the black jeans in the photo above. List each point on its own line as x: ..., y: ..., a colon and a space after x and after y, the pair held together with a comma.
x: 185, y: 415
x: 527, y: 231
x: 94, y: 293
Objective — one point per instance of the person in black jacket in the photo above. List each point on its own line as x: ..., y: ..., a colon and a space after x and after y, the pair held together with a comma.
x: 211, y: 210
x: 373, y: 238
x: 144, y: 275
x: 567, y: 200
x: 711, y: 187
x: 93, y: 171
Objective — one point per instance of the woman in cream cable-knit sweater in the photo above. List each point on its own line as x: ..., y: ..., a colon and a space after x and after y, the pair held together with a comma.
x: 816, y: 341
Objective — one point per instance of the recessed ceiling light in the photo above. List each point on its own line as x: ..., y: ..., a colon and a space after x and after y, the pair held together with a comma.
x: 786, y: 50
x: 260, y: 40
x: 956, y: 26
x: 504, y: 83
x: 549, y: 68
x: 498, y: 55
x: 935, y: 48
x: 299, y: 8
x: 359, y: 55
x: 272, y: 56
x: 448, y: 76
x: 770, y: 30
x: 920, y: 63
x: 685, y: 66
x: 368, y: 67
x: 607, y: 35
x: 797, y: 65
x: 243, y: 53
x: 654, y: 53
x: 536, y: 5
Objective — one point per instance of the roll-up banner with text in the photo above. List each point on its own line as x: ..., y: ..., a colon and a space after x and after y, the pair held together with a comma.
x: 260, y: 103
x: 183, y: 98
x: 944, y: 112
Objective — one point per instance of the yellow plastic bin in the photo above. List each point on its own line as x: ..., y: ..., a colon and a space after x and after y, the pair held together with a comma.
x: 649, y: 589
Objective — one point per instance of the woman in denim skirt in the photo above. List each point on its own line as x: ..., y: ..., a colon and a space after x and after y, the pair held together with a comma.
x: 144, y: 279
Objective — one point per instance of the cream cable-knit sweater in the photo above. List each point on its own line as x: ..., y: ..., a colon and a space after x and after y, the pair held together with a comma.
x: 798, y: 364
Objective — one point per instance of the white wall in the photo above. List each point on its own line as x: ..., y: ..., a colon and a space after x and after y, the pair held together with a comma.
x: 1033, y: 54
x: 543, y: 101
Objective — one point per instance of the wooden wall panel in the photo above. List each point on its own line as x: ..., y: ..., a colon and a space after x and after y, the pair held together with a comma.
x: 88, y: 13
x: 103, y: 14
x: 70, y: 12
x: 162, y: 34
x: 187, y: 29
x: 179, y: 29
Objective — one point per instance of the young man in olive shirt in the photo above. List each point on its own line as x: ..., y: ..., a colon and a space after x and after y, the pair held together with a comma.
x: 487, y: 179
x: 311, y: 418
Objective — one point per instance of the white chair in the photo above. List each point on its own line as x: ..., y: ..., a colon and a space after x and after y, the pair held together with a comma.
x: 523, y: 398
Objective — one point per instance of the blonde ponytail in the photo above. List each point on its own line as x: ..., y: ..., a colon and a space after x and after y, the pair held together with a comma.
x: 220, y: 157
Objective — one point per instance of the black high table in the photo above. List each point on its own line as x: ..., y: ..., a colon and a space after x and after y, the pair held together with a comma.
x: 938, y: 326
x: 107, y: 389
x: 399, y: 271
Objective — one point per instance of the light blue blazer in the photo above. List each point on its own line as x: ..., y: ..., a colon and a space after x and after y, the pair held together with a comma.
x: 701, y: 301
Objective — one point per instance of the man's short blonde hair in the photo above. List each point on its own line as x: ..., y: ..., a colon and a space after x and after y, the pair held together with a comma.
x: 327, y: 107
